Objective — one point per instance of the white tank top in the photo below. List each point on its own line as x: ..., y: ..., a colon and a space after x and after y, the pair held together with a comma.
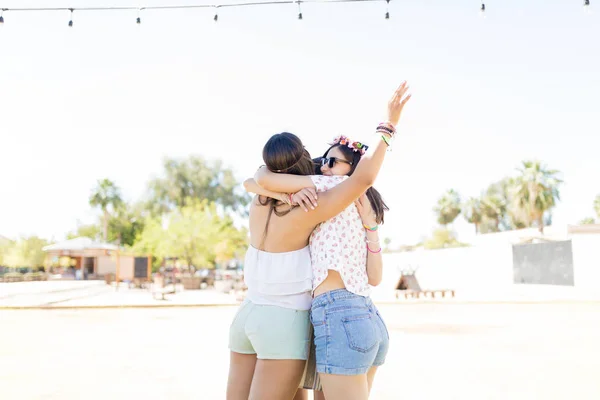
x: 279, y: 279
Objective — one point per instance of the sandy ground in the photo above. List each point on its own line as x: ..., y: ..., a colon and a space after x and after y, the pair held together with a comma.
x: 438, y: 351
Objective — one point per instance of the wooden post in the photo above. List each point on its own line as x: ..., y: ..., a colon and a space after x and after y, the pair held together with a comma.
x: 149, y: 268
x: 117, y: 271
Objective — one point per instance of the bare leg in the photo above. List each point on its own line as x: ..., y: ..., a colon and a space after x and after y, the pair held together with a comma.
x: 276, y: 379
x: 301, y: 394
x: 343, y: 387
x: 370, y: 377
x: 319, y: 395
x: 241, y: 371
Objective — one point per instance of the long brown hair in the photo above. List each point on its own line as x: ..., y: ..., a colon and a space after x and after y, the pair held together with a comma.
x: 284, y: 153
x: 354, y: 157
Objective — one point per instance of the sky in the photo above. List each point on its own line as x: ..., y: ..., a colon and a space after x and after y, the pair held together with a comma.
x: 110, y: 99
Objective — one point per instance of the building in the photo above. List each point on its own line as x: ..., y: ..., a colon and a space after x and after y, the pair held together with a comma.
x: 97, y: 259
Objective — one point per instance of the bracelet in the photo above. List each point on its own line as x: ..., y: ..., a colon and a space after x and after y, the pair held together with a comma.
x: 374, y: 252
x: 387, y: 126
x: 372, y: 241
x: 386, y: 129
x: 386, y: 140
x: 372, y: 229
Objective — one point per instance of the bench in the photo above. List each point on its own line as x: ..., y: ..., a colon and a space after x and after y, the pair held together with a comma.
x: 416, y: 294
x: 163, y: 291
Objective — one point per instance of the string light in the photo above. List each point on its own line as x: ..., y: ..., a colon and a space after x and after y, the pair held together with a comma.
x: 138, y: 21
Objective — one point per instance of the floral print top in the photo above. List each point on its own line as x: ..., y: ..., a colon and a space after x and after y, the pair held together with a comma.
x: 340, y: 244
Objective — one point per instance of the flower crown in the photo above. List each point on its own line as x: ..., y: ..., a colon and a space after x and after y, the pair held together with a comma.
x: 357, y: 147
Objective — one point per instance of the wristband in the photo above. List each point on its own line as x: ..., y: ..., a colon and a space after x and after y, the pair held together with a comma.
x: 372, y: 229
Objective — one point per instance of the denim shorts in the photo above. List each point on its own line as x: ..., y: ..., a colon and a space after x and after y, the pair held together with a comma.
x: 350, y: 335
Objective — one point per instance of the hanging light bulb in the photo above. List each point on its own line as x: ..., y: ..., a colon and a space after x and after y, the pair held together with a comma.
x: 216, y: 17
x: 482, y: 9
x: 138, y: 20
x: 1, y: 16
x: 299, y: 10
x: 71, y: 20
x: 586, y: 3
x: 387, y: 10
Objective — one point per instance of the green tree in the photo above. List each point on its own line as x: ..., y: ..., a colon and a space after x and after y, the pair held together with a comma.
x: 597, y: 206
x: 587, y: 221
x: 448, y: 207
x: 442, y: 238
x: 26, y: 252
x: 107, y: 197
x: 126, y: 223
x: 473, y: 213
x: 195, y: 178
x: 493, y: 208
x: 196, y: 233
x: 537, y: 191
x: 92, y: 231
x: 5, y: 245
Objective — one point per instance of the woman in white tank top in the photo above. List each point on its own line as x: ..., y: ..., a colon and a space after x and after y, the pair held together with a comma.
x: 269, y: 334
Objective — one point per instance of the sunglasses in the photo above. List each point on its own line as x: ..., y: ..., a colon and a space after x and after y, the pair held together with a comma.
x: 330, y: 161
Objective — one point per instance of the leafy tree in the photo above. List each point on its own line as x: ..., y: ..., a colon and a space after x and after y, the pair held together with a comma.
x: 537, y: 191
x: 597, y: 206
x: 587, y: 221
x: 93, y: 231
x: 448, y: 207
x: 473, y: 213
x: 493, y: 208
x: 196, y: 232
x: 442, y: 238
x: 195, y: 178
x: 107, y: 197
x: 25, y: 252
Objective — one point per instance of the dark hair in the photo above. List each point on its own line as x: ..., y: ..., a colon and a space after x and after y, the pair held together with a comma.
x: 373, y: 195
x: 284, y: 153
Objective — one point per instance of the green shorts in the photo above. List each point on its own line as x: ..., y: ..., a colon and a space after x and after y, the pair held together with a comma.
x: 270, y: 332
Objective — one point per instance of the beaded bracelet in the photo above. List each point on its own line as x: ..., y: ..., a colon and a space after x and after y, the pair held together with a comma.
x: 386, y: 129
x: 372, y: 241
x: 388, y: 125
x: 374, y: 252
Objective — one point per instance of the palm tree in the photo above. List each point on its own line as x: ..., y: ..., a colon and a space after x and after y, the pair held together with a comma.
x: 448, y: 207
x: 537, y: 191
x: 597, y: 205
x: 472, y: 212
x: 105, y: 195
x: 493, y: 208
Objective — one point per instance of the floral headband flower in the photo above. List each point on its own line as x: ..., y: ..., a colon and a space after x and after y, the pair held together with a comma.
x: 357, y: 147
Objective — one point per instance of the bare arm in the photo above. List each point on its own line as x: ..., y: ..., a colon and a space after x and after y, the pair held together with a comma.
x: 337, y: 199
x: 252, y: 187
x: 374, y: 256
x: 282, y: 182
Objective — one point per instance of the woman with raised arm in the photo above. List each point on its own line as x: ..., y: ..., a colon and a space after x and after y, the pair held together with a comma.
x: 269, y: 334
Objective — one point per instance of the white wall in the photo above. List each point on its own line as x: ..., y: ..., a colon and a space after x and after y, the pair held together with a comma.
x: 485, y: 271
x: 586, y: 260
